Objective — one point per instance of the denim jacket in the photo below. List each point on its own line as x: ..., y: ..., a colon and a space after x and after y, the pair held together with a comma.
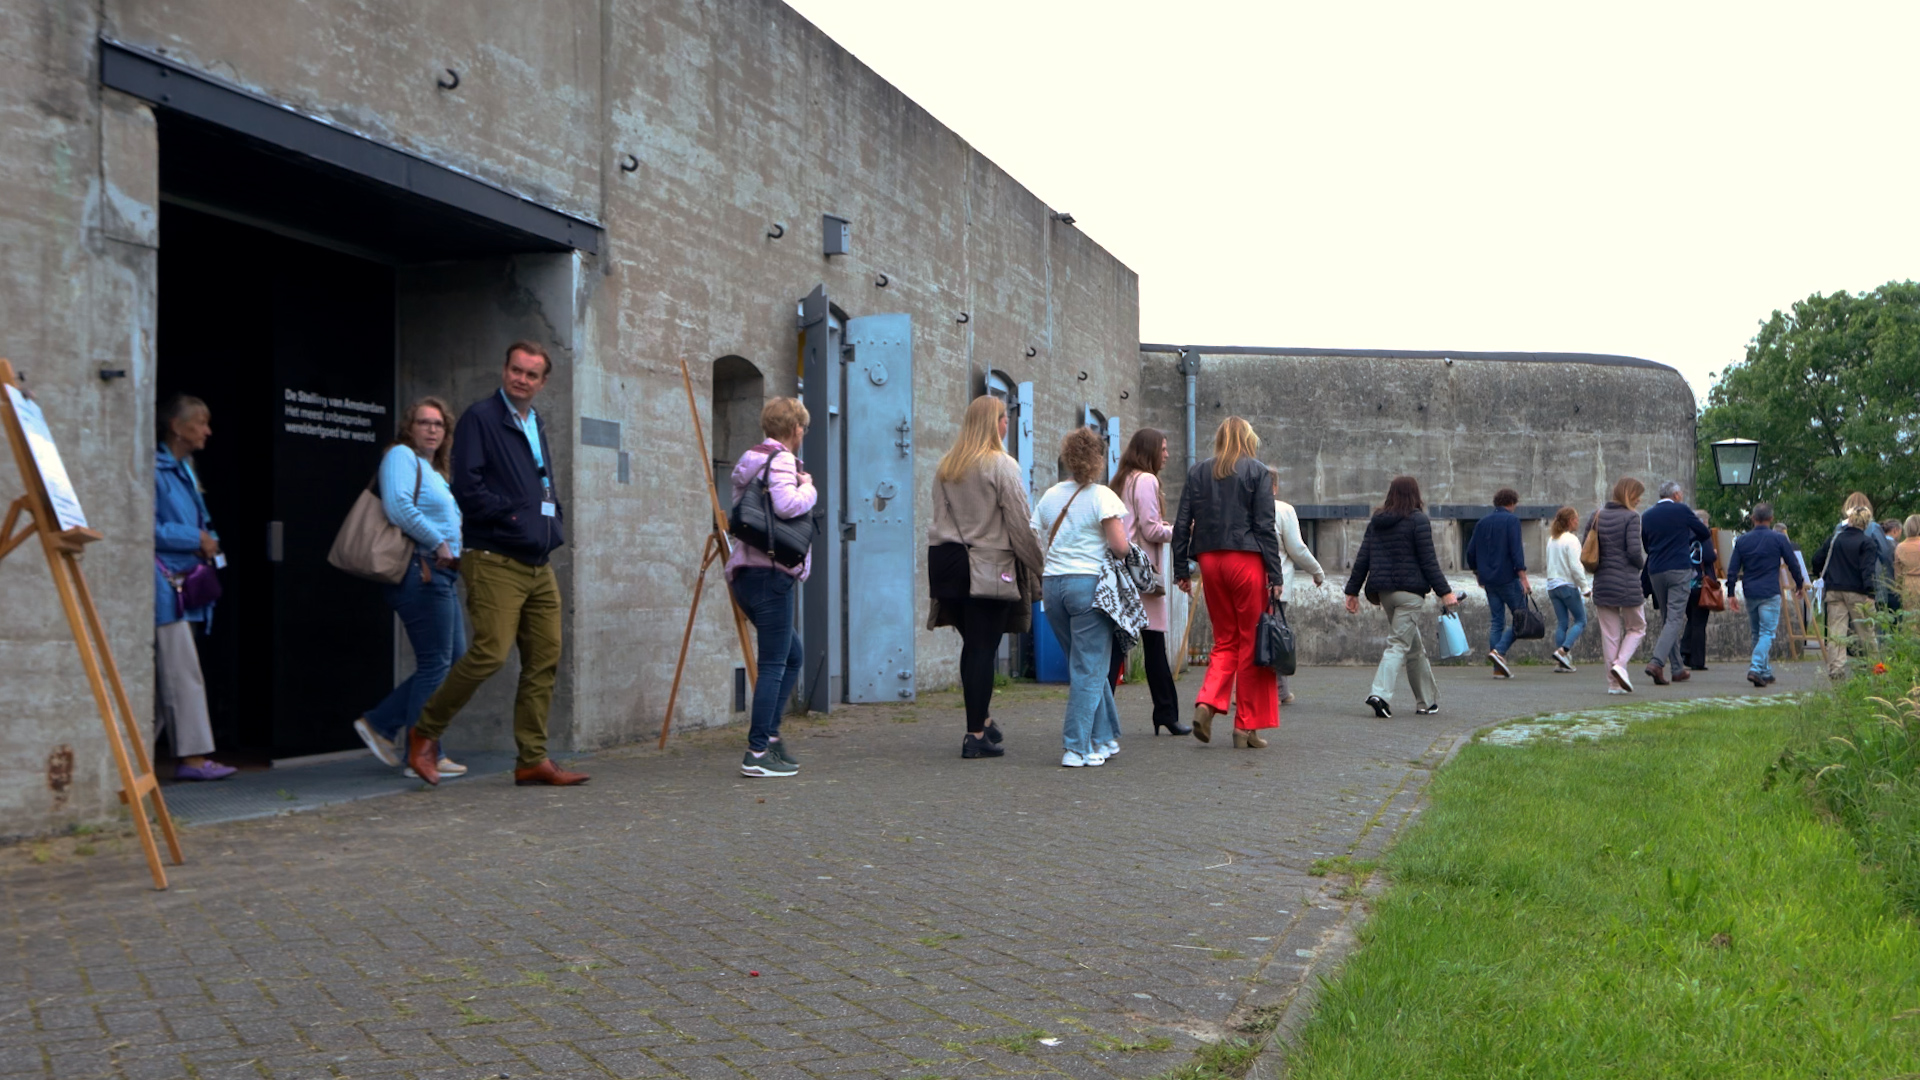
x: 179, y: 516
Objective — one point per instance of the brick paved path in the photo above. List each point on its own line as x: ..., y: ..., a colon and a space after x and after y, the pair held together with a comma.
x: 910, y: 914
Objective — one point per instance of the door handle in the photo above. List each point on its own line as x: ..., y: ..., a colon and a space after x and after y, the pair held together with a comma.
x: 276, y: 541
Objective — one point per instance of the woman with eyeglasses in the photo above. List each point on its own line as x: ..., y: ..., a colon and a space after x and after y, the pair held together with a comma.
x: 417, y: 499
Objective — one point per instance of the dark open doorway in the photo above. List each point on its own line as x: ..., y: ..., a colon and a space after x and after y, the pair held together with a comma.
x: 292, y: 348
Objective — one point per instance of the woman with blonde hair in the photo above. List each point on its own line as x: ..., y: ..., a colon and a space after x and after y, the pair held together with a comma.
x: 1618, y: 599
x: 1083, y: 521
x: 1848, y: 563
x: 1226, y: 524
x: 983, y: 562
x: 414, y: 491
x: 1906, y: 566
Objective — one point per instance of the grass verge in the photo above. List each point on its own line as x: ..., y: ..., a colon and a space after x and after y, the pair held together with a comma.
x: 1637, y: 906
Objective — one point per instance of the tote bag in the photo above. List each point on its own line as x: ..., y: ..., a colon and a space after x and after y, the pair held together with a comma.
x: 1528, y: 624
x: 369, y: 545
x: 1453, y: 636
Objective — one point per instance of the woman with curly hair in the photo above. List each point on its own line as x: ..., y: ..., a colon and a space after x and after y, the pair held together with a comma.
x: 1083, y: 522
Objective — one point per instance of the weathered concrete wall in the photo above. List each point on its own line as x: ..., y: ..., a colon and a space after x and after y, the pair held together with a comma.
x: 743, y: 115
x: 454, y: 321
x: 1336, y: 426
x: 739, y: 114
x: 76, y: 295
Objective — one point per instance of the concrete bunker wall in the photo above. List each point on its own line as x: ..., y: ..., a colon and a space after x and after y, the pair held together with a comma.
x: 1337, y: 425
x: 737, y: 115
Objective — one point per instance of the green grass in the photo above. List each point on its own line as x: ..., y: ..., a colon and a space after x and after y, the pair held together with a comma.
x: 1638, y: 906
x: 1858, y: 754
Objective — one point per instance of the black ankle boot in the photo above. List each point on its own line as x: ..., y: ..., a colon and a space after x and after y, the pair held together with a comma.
x: 974, y: 746
x: 1173, y: 727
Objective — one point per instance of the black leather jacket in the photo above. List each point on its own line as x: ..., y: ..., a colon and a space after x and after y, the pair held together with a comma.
x: 1231, y: 514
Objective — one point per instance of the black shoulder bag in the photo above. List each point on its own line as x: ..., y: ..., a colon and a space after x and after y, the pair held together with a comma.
x: 1273, y: 641
x: 753, y: 521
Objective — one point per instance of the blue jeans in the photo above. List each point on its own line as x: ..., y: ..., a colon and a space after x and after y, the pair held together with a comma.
x: 1763, y: 618
x: 431, y: 613
x: 1500, y: 600
x: 1086, y: 636
x: 1569, y: 615
x: 766, y: 595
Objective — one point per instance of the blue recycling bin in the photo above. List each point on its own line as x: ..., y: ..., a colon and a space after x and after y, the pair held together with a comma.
x: 1049, y: 662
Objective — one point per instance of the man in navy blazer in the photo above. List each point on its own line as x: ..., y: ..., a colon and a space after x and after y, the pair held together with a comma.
x: 1669, y: 530
x: 1498, y: 558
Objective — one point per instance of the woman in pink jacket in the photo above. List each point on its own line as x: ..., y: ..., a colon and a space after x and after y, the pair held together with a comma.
x: 1138, y: 484
x: 764, y: 588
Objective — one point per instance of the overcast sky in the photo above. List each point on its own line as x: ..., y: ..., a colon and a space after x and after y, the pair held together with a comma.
x: 1643, y: 178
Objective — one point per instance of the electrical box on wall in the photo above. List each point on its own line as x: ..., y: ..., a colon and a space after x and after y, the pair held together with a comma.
x: 837, y: 235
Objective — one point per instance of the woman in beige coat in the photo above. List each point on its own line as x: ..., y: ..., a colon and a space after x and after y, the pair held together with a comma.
x: 983, y: 561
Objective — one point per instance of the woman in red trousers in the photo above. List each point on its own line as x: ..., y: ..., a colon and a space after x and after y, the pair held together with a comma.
x: 1226, y: 523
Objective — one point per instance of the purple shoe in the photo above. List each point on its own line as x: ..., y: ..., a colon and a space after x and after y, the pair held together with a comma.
x: 212, y: 770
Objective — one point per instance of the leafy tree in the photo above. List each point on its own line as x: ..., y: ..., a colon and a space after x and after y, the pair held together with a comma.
x: 1832, y: 393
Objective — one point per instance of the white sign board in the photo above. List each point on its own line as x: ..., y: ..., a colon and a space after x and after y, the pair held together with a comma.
x: 46, y: 456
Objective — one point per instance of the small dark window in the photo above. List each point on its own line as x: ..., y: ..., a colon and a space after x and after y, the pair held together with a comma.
x: 1466, y: 538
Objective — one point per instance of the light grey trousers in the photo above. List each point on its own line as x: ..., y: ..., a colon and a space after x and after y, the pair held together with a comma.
x: 1407, y: 649
x: 1672, y: 587
x: 179, y: 691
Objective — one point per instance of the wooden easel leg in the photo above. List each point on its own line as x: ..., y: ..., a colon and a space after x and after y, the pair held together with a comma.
x: 8, y: 540
x: 134, y: 787
x: 135, y: 735
x: 707, y: 556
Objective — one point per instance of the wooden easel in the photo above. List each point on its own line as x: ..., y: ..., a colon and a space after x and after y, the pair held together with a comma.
x: 717, y: 548
x: 63, y: 548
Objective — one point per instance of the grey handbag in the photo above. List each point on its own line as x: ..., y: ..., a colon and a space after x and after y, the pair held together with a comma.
x: 369, y: 545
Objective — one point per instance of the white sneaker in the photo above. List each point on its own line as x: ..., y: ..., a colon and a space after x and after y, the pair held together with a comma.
x: 446, y: 767
x: 381, y: 746
x: 1500, y: 667
x: 1073, y: 759
x: 1620, y: 673
x: 1615, y: 690
x: 1108, y: 748
x: 1562, y: 660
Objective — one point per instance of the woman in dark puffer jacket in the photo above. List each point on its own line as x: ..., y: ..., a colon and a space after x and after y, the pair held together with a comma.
x: 1617, y: 596
x: 1397, y: 567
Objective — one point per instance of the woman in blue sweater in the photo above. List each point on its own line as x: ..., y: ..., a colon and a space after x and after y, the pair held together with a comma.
x: 183, y: 541
x: 414, y: 492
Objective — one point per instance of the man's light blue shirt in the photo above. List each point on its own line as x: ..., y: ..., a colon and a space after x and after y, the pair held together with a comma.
x: 529, y: 426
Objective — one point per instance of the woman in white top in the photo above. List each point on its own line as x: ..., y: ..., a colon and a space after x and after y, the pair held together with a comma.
x: 1567, y: 584
x: 1083, y: 521
x: 1295, y: 556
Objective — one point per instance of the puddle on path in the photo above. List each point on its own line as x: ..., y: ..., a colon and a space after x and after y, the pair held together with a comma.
x: 1602, y: 722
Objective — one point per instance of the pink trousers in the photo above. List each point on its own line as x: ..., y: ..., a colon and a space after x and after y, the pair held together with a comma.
x: 1621, y: 630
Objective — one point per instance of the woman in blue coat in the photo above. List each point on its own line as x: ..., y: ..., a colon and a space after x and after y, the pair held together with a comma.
x: 182, y: 539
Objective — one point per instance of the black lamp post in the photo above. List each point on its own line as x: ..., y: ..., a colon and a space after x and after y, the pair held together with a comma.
x: 1734, y: 461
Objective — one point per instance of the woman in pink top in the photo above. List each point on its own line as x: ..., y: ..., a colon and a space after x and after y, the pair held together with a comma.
x: 764, y: 588
x: 1138, y: 484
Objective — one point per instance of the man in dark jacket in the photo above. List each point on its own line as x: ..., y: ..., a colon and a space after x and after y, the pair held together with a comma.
x: 1758, y: 558
x: 1498, y: 559
x: 510, y: 522
x: 1669, y: 530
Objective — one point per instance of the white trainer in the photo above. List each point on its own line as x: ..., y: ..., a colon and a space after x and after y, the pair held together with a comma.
x: 1109, y: 748
x: 1073, y: 759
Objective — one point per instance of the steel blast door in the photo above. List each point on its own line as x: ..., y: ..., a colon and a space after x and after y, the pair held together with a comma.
x: 878, y: 508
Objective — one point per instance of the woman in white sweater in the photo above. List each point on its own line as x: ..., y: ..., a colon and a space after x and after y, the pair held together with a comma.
x: 1295, y: 558
x: 1567, y: 584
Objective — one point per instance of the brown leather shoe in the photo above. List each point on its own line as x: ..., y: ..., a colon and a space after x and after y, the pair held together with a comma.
x: 424, y: 756
x: 1681, y: 675
x: 548, y: 773
x: 1657, y: 673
